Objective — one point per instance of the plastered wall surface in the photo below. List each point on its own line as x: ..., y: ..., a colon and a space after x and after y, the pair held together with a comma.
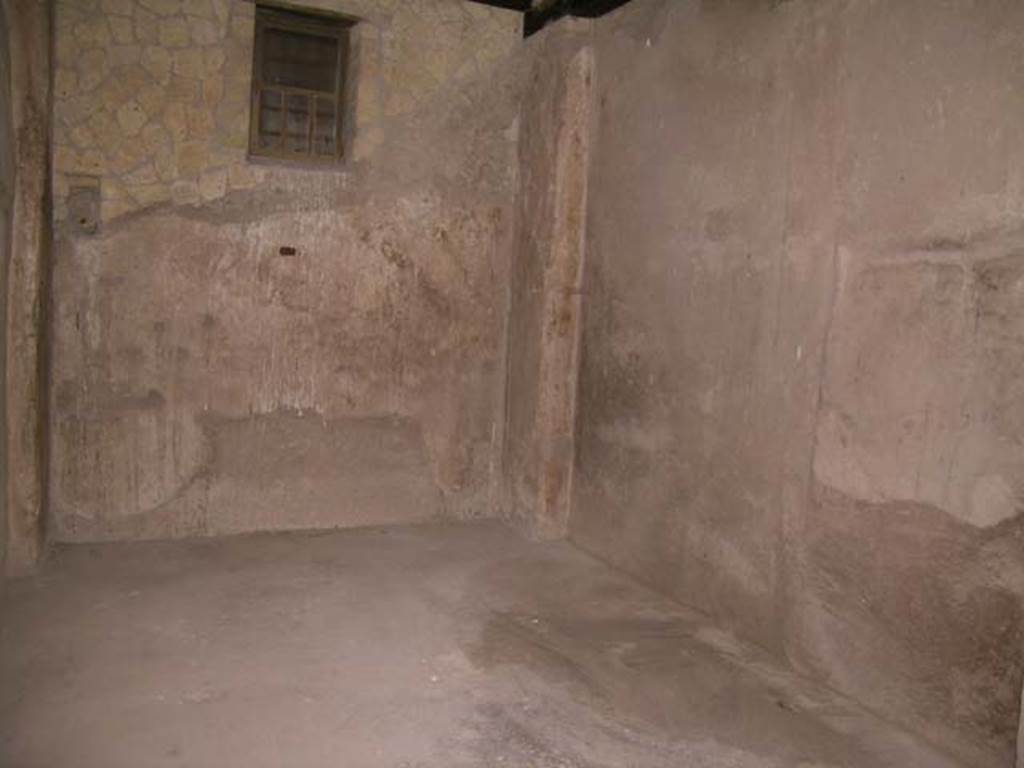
x: 914, y: 559
x: 25, y: 271
x: 800, y: 382
x: 545, y: 275
x: 1020, y: 738
x: 798, y: 398
x: 6, y: 221
x: 246, y: 346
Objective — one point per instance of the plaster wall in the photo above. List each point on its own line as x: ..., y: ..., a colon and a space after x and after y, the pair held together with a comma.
x: 6, y: 221
x: 250, y: 346
x: 24, y: 274
x: 545, y: 277
x: 798, y: 397
x: 801, y: 375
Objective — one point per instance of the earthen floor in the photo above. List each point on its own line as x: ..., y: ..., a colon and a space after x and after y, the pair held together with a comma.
x: 431, y: 645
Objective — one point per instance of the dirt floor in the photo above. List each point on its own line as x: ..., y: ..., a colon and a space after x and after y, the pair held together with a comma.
x: 431, y: 645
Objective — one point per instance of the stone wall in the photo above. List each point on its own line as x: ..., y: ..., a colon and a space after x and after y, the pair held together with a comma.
x: 245, y: 345
x: 152, y: 96
x: 800, y: 405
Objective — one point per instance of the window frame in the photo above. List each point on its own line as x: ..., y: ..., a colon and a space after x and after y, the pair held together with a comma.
x: 322, y: 25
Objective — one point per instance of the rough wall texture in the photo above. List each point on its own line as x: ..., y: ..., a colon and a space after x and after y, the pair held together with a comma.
x: 699, y: 376
x: 25, y: 283
x: 6, y: 221
x: 800, y: 403
x: 914, y: 559
x: 545, y: 275
x: 253, y: 346
x: 153, y: 95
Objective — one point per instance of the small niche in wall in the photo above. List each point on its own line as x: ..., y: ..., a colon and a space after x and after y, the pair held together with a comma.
x: 84, y: 204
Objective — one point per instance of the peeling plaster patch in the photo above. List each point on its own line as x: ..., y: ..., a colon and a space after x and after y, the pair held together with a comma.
x: 993, y: 500
x: 922, y: 391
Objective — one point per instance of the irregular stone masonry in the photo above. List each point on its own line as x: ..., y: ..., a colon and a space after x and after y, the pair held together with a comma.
x: 152, y: 96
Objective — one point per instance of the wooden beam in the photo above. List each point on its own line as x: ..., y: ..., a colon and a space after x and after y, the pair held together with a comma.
x: 513, y: 5
x: 540, y: 13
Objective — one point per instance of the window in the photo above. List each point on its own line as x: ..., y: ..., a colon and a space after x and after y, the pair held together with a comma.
x: 297, y: 86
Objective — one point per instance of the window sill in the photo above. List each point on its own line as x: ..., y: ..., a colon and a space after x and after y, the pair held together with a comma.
x: 341, y: 165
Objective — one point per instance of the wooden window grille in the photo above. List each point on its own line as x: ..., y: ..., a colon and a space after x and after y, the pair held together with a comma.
x: 298, y: 85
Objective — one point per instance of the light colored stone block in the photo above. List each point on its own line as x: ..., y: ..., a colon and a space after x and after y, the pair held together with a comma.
x: 161, y: 7
x: 123, y: 29
x: 65, y: 84
x: 200, y: 122
x: 125, y: 155
x: 191, y: 158
x: 203, y: 31
x: 157, y: 62
x: 83, y: 138
x: 213, y: 92
x: 131, y: 117
x: 174, y: 33
x: 92, y: 68
x: 188, y: 62
x: 125, y: 56
x: 104, y: 127
x: 213, y: 60
x: 118, y: 7
x: 200, y: 8
x: 156, y: 138
x: 144, y: 174
x: 147, y: 27
x: 187, y: 90
x: 185, y: 192
x: 150, y: 194
x: 213, y: 184
x: 93, y: 32
x: 152, y: 97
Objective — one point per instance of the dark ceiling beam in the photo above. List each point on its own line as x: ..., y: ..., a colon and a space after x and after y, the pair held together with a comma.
x: 590, y: 9
x: 513, y: 5
x: 540, y: 13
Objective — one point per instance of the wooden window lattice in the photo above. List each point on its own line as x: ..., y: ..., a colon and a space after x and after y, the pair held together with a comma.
x: 298, y: 84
